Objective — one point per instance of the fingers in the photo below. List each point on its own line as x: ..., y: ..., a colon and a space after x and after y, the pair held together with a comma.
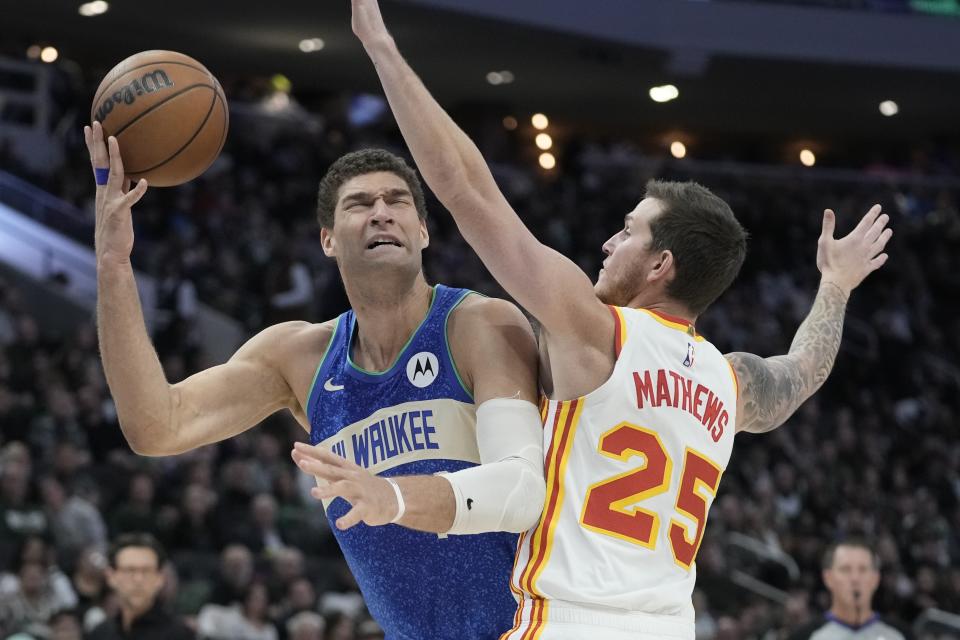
x: 829, y: 223
x: 881, y: 242
x: 320, y: 469
x: 115, y: 182
x: 323, y: 455
x: 868, y: 219
x: 351, y: 518
x: 133, y: 196
x: 93, y: 136
x: 878, y: 262
x: 877, y: 228
x: 342, y: 489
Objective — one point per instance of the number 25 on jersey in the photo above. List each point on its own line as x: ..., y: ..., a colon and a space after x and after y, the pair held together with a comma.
x: 611, y: 506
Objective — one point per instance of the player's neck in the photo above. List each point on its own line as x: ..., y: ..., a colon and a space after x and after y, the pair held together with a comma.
x: 851, y: 616
x: 386, y: 318
x: 662, y: 305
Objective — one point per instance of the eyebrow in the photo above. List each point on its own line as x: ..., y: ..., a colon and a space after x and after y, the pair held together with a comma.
x: 366, y: 196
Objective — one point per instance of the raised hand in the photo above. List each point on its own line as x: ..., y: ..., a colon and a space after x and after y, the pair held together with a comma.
x: 373, y: 499
x: 113, y: 235
x: 846, y: 261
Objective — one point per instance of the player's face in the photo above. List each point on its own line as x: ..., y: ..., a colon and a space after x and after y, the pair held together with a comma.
x: 629, y: 259
x: 852, y: 579
x: 376, y: 224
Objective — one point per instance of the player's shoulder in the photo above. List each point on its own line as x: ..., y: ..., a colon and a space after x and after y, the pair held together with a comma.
x: 292, y: 340
x: 478, y: 312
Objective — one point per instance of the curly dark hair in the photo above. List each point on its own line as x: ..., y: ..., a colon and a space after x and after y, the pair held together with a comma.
x: 358, y: 163
x: 708, y: 244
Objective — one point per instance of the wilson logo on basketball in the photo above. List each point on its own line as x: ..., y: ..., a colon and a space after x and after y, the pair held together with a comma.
x: 148, y: 83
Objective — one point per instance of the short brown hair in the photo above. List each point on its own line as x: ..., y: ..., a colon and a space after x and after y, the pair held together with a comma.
x: 145, y: 540
x: 708, y: 244
x: 856, y: 543
x: 358, y: 163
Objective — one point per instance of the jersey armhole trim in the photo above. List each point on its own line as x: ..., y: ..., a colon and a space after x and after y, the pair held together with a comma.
x: 323, y: 359
x: 619, y: 330
x: 446, y: 340
x: 736, y: 380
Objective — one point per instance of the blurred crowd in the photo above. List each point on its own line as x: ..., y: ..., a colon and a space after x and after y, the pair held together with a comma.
x: 874, y: 454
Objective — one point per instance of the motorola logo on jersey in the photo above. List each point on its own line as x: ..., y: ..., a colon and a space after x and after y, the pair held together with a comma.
x: 422, y: 369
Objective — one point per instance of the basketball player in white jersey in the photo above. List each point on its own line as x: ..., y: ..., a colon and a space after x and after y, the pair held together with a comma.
x: 642, y: 411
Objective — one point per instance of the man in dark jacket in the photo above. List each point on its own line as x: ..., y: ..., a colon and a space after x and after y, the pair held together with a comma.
x: 136, y: 574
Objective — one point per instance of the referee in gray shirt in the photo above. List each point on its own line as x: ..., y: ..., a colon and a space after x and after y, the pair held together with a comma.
x: 851, y: 573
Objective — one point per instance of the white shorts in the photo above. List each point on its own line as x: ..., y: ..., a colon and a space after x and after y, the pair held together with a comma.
x: 559, y: 620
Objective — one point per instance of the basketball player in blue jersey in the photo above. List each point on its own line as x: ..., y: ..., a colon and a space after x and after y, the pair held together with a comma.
x: 642, y: 410
x: 421, y: 396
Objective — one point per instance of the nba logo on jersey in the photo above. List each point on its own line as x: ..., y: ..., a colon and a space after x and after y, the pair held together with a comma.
x: 422, y: 369
x: 688, y: 361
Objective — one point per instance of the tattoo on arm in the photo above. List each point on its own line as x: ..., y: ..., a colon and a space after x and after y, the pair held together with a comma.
x: 773, y: 388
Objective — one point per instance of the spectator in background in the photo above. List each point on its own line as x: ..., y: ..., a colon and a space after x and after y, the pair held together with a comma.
x: 20, y: 517
x: 306, y: 625
x: 65, y: 625
x: 247, y: 621
x: 236, y: 574
x: 137, y: 513
x: 89, y: 579
x: 74, y: 522
x: 32, y: 602
x: 851, y: 573
x: 136, y: 575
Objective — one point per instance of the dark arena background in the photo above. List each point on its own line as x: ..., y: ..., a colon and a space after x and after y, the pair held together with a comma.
x: 782, y: 108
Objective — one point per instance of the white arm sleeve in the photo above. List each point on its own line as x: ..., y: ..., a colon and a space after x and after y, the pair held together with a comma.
x: 506, y: 491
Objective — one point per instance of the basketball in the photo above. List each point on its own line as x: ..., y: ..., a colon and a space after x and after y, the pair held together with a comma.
x: 168, y: 113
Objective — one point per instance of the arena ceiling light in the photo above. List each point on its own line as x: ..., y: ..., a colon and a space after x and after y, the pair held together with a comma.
x: 807, y: 158
x: 889, y: 108
x: 678, y: 150
x: 49, y: 54
x: 548, y: 161
x: 540, y: 121
x: 95, y: 8
x: 500, y: 77
x: 544, y: 141
x: 33, y: 51
x: 310, y: 45
x: 664, y: 93
x: 510, y: 123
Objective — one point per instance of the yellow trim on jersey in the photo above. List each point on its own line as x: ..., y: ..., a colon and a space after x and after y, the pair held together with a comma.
x: 560, y: 415
x: 564, y: 456
x: 673, y: 325
x: 736, y: 380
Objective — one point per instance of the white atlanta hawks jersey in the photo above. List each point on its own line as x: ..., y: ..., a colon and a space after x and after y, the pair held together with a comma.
x: 632, y: 469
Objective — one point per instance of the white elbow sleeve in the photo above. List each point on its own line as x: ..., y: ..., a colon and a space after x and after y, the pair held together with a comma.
x: 506, y: 491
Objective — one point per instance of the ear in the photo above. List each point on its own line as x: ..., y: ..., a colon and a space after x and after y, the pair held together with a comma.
x: 111, y: 576
x: 873, y: 582
x: 827, y: 576
x: 328, y: 242
x: 662, y: 267
x: 424, y: 234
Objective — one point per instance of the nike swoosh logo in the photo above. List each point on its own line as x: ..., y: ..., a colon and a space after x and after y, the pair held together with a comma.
x: 329, y: 386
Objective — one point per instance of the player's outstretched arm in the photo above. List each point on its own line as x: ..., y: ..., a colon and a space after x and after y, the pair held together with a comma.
x: 771, y: 389
x: 158, y: 418
x: 455, y: 170
x: 495, y: 351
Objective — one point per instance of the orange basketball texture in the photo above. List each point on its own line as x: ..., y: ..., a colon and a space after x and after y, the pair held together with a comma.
x: 168, y: 113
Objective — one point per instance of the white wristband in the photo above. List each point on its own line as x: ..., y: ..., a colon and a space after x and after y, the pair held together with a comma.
x: 400, y: 504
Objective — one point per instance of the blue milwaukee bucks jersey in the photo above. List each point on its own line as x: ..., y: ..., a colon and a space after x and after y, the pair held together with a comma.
x: 415, y: 418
